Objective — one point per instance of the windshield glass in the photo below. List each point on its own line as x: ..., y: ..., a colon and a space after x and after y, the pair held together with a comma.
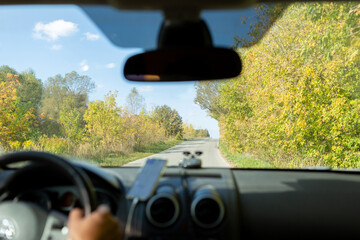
x: 295, y: 104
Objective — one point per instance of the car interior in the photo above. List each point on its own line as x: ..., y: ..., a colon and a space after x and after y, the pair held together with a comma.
x: 38, y: 189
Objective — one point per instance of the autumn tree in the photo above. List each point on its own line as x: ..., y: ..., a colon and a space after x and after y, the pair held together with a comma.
x: 135, y: 102
x: 188, y: 130
x: 297, y: 100
x: 16, y: 122
x: 147, y: 131
x: 202, y: 133
x: 207, y: 97
x: 5, y: 71
x: 170, y: 119
x: 61, y: 94
x: 71, y: 120
x: 29, y: 89
x: 105, y: 127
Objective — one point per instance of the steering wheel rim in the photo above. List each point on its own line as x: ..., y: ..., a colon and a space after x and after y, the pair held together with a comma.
x: 87, y: 196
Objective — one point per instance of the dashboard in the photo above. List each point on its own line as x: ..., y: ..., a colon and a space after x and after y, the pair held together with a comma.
x: 213, y: 203
x: 64, y: 198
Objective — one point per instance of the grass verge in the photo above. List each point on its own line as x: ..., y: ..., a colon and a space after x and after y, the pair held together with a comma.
x: 239, y: 160
x: 120, y: 160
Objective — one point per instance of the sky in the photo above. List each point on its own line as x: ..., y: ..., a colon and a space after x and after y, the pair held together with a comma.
x: 57, y: 40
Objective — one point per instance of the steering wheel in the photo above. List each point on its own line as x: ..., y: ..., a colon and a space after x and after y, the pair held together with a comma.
x: 25, y: 221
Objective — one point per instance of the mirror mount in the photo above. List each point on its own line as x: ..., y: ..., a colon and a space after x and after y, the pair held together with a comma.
x: 181, y: 13
x: 189, y: 33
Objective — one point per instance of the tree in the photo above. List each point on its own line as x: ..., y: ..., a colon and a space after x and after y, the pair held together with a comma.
x: 5, y: 71
x: 207, y: 97
x: 265, y: 16
x: 16, y: 122
x: 135, y: 102
x: 297, y: 101
x: 29, y: 89
x: 188, y: 130
x: 71, y: 120
x: 170, y: 119
x: 202, y: 133
x: 61, y: 94
x: 105, y: 125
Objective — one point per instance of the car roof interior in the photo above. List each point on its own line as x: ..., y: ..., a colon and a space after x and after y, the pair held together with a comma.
x: 156, y: 4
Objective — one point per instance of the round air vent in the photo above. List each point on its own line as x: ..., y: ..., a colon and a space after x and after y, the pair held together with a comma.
x: 207, y: 208
x: 162, y: 210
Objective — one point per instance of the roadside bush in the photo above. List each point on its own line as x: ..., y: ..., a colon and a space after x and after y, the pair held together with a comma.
x: 53, y: 144
x: 14, y: 145
x: 188, y: 131
x: 113, y: 130
x: 28, y: 145
x: 147, y: 130
x: 297, y: 101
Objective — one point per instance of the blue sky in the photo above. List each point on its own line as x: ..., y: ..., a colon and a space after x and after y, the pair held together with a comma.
x: 57, y: 40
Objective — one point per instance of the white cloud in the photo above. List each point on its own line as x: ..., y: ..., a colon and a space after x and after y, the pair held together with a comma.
x: 84, y: 66
x: 110, y: 65
x: 146, y: 89
x: 56, y: 47
x: 53, y: 30
x: 92, y: 36
x: 99, y: 86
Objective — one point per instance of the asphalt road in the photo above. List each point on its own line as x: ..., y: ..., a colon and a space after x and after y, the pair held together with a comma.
x: 210, y: 158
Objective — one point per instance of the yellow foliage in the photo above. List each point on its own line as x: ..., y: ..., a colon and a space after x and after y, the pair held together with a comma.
x: 299, y: 94
x: 28, y: 145
x: 15, y: 122
x: 14, y: 145
x: 188, y: 130
x: 53, y: 144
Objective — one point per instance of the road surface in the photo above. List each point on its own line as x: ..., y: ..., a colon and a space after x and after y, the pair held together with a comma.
x: 210, y: 158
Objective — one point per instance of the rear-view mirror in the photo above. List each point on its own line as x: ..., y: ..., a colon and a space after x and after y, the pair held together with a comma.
x: 183, y: 64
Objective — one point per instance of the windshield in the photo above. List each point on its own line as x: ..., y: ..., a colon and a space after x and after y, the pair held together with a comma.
x: 295, y: 104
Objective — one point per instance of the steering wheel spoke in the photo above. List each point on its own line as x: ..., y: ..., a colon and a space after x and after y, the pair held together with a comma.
x: 55, y: 226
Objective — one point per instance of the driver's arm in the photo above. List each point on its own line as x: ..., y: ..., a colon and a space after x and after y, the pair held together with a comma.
x: 100, y: 225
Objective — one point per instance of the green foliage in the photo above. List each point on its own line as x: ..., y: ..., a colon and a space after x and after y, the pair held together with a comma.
x: 62, y: 94
x: 207, y: 97
x: 30, y: 89
x: 5, y: 71
x: 239, y: 160
x: 57, y: 118
x: 297, y: 101
x: 266, y: 15
x: 202, y: 133
x: 170, y: 119
x: 146, y: 130
x: 190, y: 132
x: 104, y: 125
x: 71, y: 120
x: 53, y: 144
x: 110, y: 129
x: 17, y: 121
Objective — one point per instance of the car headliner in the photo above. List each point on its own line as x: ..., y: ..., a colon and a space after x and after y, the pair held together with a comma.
x: 159, y: 4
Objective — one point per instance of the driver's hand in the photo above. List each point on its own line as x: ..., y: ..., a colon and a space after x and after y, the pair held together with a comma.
x: 100, y: 225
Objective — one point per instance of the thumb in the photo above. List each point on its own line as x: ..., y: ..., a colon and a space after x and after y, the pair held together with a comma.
x: 76, y: 214
x: 103, y: 210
